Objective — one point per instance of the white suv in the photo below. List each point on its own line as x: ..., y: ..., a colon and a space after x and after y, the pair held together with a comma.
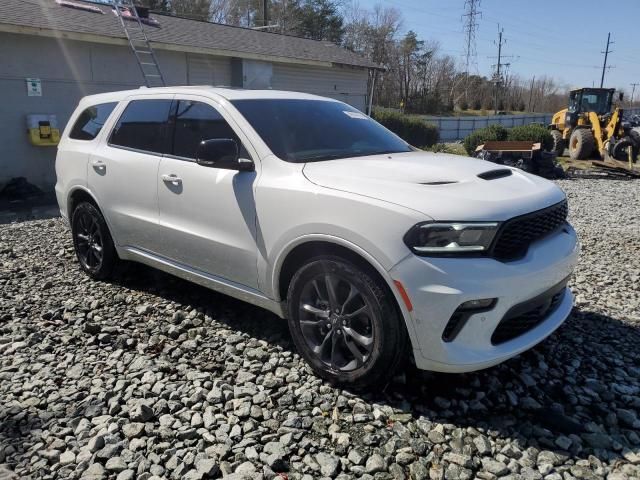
x: 307, y: 207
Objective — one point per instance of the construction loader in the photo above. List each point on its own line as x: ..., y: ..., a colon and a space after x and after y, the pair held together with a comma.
x: 592, y: 123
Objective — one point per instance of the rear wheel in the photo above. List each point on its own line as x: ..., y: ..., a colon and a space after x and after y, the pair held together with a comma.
x: 92, y: 241
x: 345, y: 324
x: 558, y: 142
x: 581, y: 144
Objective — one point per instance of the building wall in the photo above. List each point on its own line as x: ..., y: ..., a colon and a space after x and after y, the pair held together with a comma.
x: 70, y: 69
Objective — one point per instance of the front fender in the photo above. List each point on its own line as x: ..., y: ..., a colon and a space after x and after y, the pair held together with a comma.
x: 274, y: 270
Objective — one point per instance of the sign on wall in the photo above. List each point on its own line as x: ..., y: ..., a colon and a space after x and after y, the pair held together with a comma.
x: 34, y: 87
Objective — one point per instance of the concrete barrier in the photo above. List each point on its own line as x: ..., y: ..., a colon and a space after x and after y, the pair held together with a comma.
x: 456, y: 128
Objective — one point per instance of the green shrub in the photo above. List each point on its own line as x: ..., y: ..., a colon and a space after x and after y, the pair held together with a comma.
x: 452, y: 148
x: 412, y: 130
x: 490, y: 133
x: 533, y: 133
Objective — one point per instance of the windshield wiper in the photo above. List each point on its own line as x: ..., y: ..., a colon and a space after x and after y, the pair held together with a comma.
x: 336, y: 156
x: 318, y: 158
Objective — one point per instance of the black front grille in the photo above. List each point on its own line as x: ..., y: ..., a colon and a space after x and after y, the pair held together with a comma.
x: 515, y: 235
x: 525, y: 316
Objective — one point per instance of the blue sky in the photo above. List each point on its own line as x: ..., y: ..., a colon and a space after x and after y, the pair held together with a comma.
x: 561, y: 39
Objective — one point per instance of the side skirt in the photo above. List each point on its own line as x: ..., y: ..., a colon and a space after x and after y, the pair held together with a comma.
x: 219, y: 284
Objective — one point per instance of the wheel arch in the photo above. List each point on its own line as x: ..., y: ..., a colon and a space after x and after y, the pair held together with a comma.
x: 78, y: 195
x: 295, y: 254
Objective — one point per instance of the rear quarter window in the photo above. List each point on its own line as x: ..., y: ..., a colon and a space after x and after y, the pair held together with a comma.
x: 143, y: 126
x: 91, y: 120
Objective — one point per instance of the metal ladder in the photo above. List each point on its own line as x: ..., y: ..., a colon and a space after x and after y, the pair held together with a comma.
x: 145, y: 56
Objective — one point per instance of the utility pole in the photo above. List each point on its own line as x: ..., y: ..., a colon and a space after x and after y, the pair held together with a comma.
x: 497, y: 78
x: 470, y: 26
x: 265, y: 12
x: 633, y: 90
x: 606, y: 54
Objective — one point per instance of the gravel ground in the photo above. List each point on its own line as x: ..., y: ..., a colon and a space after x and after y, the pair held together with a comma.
x: 152, y: 377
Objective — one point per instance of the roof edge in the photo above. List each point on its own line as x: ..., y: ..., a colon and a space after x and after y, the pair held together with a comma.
x: 108, y: 40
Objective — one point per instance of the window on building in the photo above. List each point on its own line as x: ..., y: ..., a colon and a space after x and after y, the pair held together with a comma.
x: 91, y: 121
x: 195, y: 122
x: 143, y: 126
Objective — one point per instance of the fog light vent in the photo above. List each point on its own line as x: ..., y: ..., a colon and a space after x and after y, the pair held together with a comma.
x: 462, y: 314
x: 476, y: 304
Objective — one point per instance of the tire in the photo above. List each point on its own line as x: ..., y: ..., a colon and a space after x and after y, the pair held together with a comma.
x: 620, y: 150
x: 326, y: 339
x: 558, y: 142
x: 581, y: 144
x: 92, y: 242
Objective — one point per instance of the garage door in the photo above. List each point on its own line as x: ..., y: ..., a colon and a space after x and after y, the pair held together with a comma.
x: 345, y: 84
x: 209, y: 70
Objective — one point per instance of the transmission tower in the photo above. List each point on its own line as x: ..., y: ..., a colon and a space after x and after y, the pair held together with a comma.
x: 470, y: 26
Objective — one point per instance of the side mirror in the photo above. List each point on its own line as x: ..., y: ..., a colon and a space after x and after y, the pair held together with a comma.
x: 221, y: 153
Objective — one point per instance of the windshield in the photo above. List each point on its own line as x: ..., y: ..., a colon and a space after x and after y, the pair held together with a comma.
x: 314, y: 130
x: 598, y: 101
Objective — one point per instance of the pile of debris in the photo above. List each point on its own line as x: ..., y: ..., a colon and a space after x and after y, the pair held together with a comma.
x: 610, y: 168
x: 527, y: 156
x: 18, y: 190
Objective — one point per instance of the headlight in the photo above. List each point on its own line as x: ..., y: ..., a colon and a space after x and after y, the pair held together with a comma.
x: 450, y: 238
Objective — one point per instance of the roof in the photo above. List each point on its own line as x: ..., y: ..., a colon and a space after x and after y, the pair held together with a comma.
x: 42, y: 16
x: 205, y: 90
x: 578, y: 89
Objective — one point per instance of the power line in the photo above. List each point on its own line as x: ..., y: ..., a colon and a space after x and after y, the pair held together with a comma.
x: 606, y: 54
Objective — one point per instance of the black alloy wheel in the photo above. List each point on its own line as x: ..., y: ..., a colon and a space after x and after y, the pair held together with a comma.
x: 92, y: 241
x: 345, y: 322
x: 335, y: 320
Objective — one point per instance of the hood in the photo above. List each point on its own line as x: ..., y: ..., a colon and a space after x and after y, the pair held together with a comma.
x: 440, y: 186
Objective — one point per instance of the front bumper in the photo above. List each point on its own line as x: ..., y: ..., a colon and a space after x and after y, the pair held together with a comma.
x: 438, y: 286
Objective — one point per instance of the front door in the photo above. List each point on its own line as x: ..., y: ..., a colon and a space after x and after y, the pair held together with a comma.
x: 123, y: 172
x: 207, y: 215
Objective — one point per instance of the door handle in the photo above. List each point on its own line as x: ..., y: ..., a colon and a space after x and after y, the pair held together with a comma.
x: 98, y: 164
x: 171, y: 178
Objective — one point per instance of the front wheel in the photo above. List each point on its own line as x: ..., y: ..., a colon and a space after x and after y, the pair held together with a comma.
x: 581, y: 144
x: 92, y: 241
x: 623, y: 149
x: 345, y: 323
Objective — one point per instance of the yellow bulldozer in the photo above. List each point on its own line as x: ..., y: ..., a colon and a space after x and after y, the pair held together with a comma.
x: 592, y: 123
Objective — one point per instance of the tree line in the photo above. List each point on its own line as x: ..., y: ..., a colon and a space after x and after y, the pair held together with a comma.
x: 416, y: 75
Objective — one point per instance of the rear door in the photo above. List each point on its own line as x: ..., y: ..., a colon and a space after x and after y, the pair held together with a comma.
x: 76, y: 147
x: 123, y: 171
x: 207, y: 215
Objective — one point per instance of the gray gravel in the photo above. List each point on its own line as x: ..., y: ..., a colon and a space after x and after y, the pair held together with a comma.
x: 150, y: 377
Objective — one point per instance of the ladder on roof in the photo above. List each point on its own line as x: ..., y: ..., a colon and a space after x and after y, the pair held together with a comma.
x: 134, y: 30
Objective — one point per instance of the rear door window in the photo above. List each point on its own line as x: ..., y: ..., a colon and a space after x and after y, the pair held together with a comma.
x: 91, y: 121
x: 143, y: 126
x: 197, y: 121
